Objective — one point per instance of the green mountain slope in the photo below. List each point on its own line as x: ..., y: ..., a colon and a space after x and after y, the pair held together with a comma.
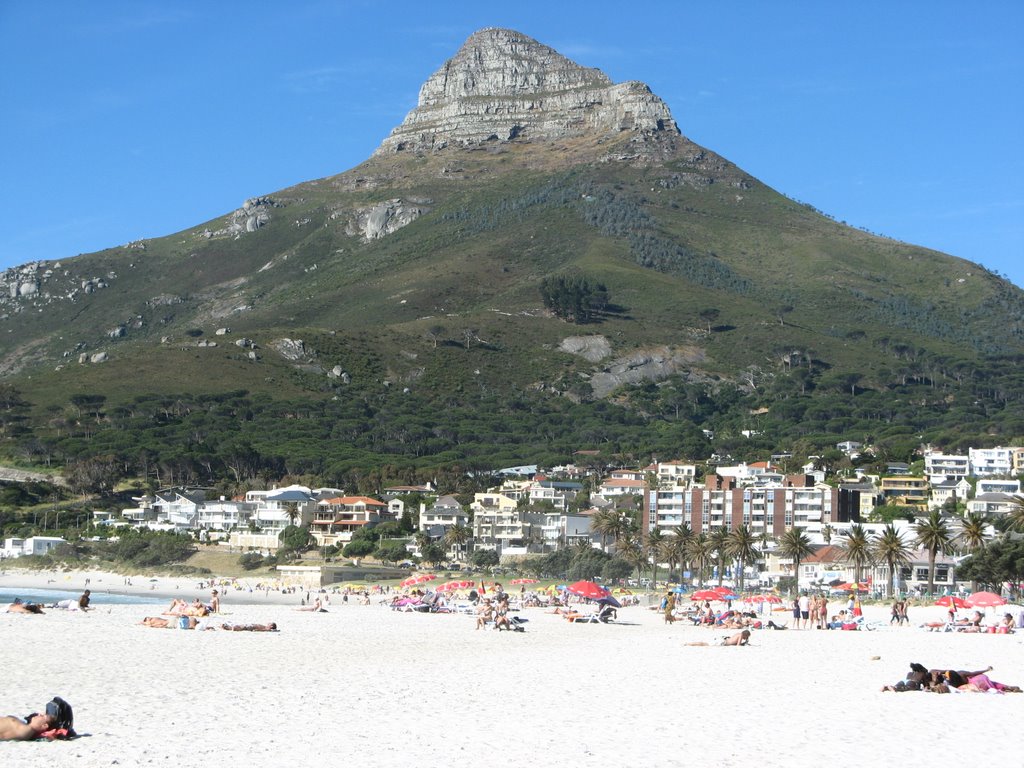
x: 417, y: 275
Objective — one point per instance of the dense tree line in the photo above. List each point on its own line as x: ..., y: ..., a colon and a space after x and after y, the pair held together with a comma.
x: 371, y: 438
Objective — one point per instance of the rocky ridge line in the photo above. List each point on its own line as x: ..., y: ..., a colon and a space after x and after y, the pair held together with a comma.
x: 504, y: 86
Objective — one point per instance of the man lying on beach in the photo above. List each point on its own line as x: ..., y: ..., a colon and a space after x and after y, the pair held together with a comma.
x: 740, y: 638
x: 25, y: 728
x: 81, y: 604
x: 19, y: 607
x: 271, y: 627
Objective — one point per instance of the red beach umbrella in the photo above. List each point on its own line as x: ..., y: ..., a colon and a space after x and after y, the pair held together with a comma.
x: 985, y: 600
x: 705, y: 594
x: 588, y: 589
x: 523, y: 581
x: 951, y: 600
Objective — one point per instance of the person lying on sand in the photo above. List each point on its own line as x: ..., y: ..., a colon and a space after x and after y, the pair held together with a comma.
x: 19, y: 607
x: 178, y: 622
x: 740, y: 638
x: 271, y: 627
x: 25, y: 728
x: 944, y: 680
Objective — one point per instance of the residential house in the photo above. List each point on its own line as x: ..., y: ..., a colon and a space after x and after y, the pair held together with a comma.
x: 497, y: 523
x: 33, y: 545
x: 905, y: 490
x: 951, y: 466
x: 996, y: 485
x: 338, y: 517
x: 993, y: 461
x: 946, y: 489
x: 993, y: 504
x: 614, y: 486
x: 225, y: 514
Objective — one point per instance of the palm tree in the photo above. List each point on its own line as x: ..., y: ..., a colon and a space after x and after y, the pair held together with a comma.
x: 653, y: 543
x: 700, y: 551
x: 973, y: 532
x: 606, y: 525
x: 719, y: 541
x: 795, y: 545
x: 890, y: 548
x: 675, y: 547
x: 634, y: 553
x: 857, y: 548
x: 742, y: 547
x: 456, y: 538
x: 934, y: 535
x: 422, y: 539
x: 1015, y: 517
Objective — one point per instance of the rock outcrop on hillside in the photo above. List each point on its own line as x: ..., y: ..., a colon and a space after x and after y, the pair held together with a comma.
x: 504, y: 86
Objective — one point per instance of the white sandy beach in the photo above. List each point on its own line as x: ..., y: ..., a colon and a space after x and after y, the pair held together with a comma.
x: 367, y: 685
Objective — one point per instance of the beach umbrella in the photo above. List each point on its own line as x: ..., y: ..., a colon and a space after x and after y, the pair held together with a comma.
x: 985, y: 600
x: 523, y: 581
x: 608, y: 600
x: 951, y: 600
x: 725, y: 593
x: 588, y: 589
x: 622, y: 591
x: 705, y: 594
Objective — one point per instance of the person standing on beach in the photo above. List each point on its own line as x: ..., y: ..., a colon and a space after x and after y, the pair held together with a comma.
x: 796, y: 613
x: 805, y: 609
x: 214, y: 602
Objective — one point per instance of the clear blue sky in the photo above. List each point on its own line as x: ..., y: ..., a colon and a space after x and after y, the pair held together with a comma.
x: 132, y: 119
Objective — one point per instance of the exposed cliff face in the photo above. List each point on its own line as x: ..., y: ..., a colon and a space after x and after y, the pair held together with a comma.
x: 504, y: 86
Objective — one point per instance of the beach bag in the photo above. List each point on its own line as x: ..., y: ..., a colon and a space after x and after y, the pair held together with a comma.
x: 62, y: 714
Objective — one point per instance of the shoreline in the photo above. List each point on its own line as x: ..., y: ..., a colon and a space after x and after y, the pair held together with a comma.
x: 157, y: 587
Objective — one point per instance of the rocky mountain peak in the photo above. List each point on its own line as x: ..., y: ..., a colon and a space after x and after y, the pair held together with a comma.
x: 504, y: 86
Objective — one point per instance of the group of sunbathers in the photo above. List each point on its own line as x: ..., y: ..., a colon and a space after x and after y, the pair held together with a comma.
x: 940, y: 680
x: 197, y: 623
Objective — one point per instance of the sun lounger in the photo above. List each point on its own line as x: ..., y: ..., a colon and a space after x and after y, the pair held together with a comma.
x: 584, y: 618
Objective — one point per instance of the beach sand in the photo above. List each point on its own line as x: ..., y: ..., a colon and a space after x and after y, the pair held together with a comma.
x: 368, y: 685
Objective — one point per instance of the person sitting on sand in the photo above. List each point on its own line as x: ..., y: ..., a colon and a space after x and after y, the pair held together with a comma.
x: 501, y: 619
x: 316, y: 607
x: 19, y: 607
x: 484, y: 613
x: 1008, y: 622
x: 25, y: 728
